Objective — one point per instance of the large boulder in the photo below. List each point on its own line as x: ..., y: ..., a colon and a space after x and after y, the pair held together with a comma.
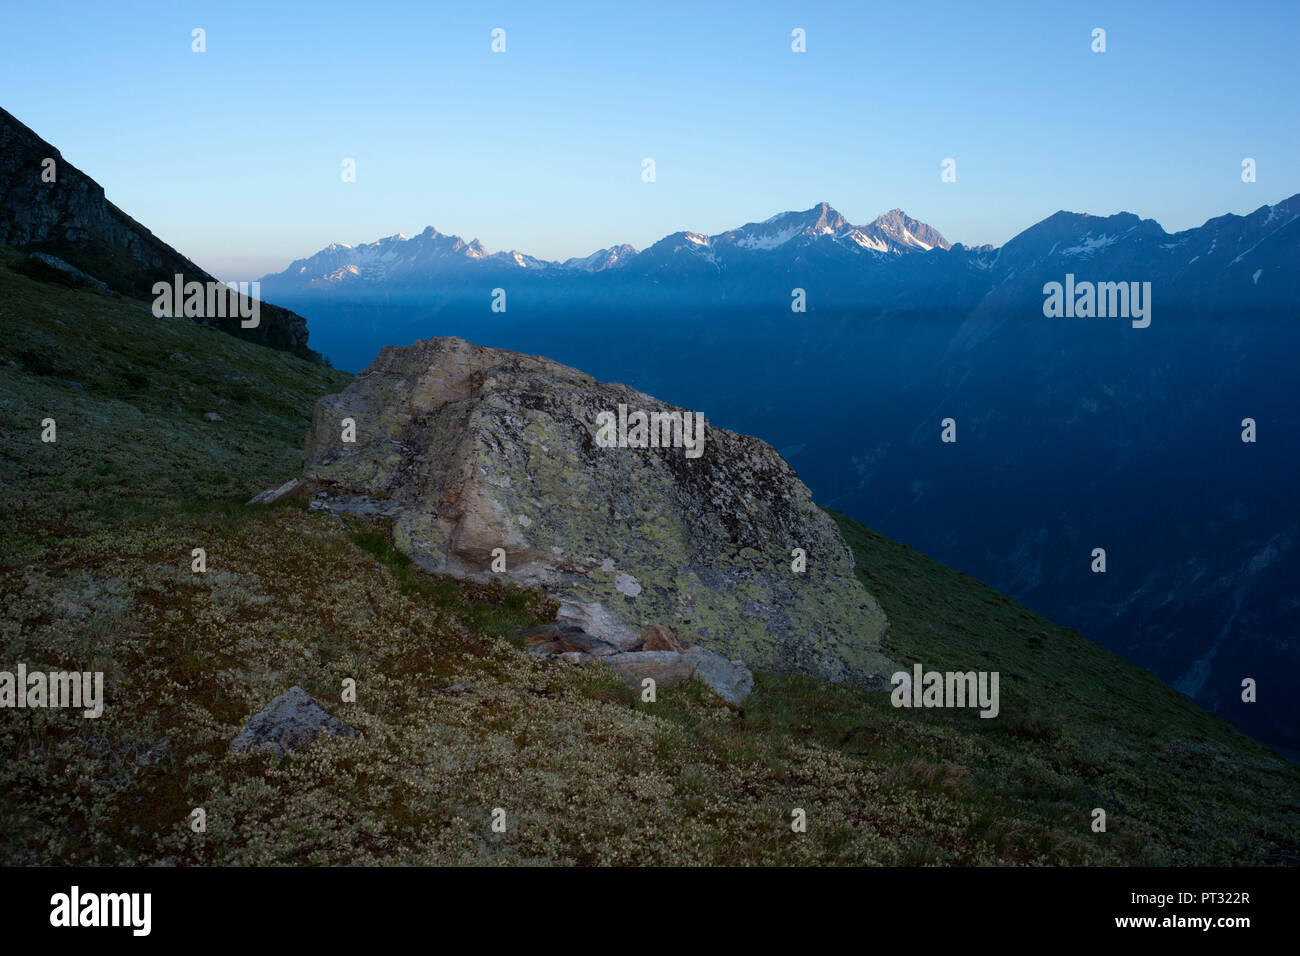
x: 477, y: 453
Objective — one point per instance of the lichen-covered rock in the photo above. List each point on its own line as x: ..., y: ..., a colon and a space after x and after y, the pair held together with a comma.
x: 480, y: 453
x: 290, y: 722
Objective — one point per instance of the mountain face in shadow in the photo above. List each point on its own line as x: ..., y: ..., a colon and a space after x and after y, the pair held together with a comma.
x: 48, y: 206
x: 1074, y: 432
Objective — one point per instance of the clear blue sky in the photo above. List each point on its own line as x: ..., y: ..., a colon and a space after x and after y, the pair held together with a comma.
x: 233, y: 155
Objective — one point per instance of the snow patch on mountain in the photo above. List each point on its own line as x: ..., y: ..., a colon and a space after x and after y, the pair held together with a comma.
x: 1090, y: 246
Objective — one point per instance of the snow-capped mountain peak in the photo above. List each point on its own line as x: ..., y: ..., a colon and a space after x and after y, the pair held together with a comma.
x: 602, y: 259
x: 906, y: 232
x: 893, y: 232
x: 785, y: 227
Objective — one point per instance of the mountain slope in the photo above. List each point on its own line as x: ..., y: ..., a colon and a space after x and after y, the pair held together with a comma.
x: 96, y: 533
x: 70, y: 218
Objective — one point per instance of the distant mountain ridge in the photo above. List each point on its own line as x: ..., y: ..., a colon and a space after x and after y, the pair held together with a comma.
x: 403, y: 259
x: 893, y: 263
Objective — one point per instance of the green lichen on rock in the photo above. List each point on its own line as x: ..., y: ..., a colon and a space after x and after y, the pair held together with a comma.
x: 473, y: 449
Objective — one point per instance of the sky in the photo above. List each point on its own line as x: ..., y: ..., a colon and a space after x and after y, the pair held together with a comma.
x: 235, y: 155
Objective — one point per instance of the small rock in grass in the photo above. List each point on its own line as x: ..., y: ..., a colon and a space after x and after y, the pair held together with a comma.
x: 272, y: 495
x: 290, y: 722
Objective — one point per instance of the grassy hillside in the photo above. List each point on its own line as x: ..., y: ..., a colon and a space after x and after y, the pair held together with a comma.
x: 96, y: 533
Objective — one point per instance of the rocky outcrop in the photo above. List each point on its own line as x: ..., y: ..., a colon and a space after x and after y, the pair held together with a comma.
x: 271, y: 495
x: 42, y: 265
x: 491, y: 464
x: 69, y: 218
x: 657, y: 656
x: 290, y: 722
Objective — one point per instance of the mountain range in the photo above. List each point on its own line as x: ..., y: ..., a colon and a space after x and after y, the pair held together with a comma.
x: 894, y: 261
x: 401, y: 259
